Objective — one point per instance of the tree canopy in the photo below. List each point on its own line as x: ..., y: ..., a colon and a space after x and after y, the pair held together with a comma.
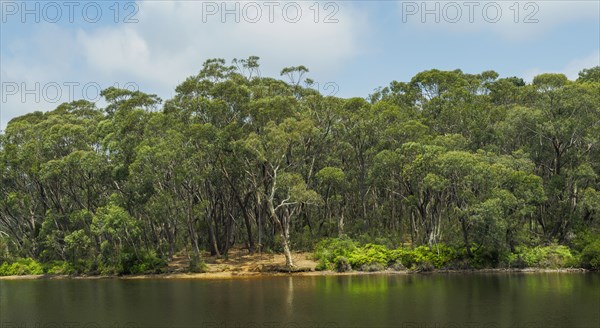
x: 471, y: 160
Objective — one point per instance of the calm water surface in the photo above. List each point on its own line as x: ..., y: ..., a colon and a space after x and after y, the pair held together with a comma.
x: 423, y: 301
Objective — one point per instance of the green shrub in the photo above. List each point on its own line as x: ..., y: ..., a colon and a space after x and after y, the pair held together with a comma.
x: 401, y: 256
x: 147, y: 262
x: 484, y: 257
x: 322, y: 266
x: 406, y: 257
x: 327, y: 250
x: 342, y: 264
x: 397, y: 266
x: 197, y: 265
x: 439, y: 256
x: 304, y: 241
x: 516, y: 261
x: 372, y: 267
x: 332, y: 254
x: 107, y: 269
x: 558, y: 257
x: 85, y: 267
x: 590, y: 256
x: 420, y: 255
x: 369, y: 254
x: 59, y: 267
x: 425, y: 267
x: 554, y: 256
x: 5, y: 269
x: 21, y: 267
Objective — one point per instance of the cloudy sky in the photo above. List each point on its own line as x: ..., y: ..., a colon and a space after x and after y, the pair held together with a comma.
x: 51, y: 52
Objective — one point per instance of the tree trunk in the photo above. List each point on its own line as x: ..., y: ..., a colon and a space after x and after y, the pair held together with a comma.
x: 341, y: 224
x: 277, y: 221
x: 286, y: 251
x: 463, y: 225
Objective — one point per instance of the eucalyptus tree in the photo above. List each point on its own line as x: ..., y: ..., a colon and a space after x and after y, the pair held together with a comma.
x: 558, y: 128
x: 52, y: 166
x: 235, y: 158
x: 358, y: 128
x: 332, y: 183
x: 481, y: 195
x: 284, y: 192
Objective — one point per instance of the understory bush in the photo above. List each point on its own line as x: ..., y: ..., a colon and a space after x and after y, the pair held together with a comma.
x: 590, y: 256
x: 485, y: 257
x: 342, y: 264
x: 22, y: 266
x: 553, y: 256
x: 196, y: 264
x: 147, y: 262
x: 327, y: 250
x: 370, y: 255
x: 59, y: 267
x: 439, y: 256
x: 344, y: 255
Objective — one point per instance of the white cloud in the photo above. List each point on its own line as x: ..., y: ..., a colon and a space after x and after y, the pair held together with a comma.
x: 171, y: 41
x: 520, y: 21
x: 114, y: 50
x: 571, y: 69
x: 575, y: 66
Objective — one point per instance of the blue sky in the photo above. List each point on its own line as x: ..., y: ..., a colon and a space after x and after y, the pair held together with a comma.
x: 357, y: 45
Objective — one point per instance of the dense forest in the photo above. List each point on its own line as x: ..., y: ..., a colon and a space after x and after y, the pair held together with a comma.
x: 483, y: 165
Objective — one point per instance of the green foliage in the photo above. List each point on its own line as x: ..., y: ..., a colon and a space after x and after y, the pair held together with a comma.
x: 590, y: 255
x: 465, y: 168
x: 327, y: 250
x: 554, y: 256
x: 341, y: 264
x: 197, y: 265
x: 127, y: 262
x: 322, y: 266
x: 78, y: 244
x: 439, y: 256
x: 147, y: 262
x: 304, y: 241
x: 343, y: 254
x: 589, y: 75
x: 489, y: 257
x: 367, y: 255
x: 85, y: 267
x: 5, y: 254
x: 24, y: 266
x: 386, y: 240
x: 59, y: 268
x: 372, y: 257
x: 109, y: 269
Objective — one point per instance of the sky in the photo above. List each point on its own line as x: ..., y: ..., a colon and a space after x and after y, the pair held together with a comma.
x: 58, y: 51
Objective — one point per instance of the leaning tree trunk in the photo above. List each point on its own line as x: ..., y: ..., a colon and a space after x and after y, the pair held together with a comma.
x: 286, y: 251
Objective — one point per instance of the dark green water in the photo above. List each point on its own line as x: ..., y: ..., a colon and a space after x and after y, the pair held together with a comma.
x: 423, y: 301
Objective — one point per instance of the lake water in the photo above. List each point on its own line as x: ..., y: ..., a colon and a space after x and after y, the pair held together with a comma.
x: 423, y: 301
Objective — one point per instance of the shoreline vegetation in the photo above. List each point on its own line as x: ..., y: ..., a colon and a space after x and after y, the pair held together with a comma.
x: 333, y: 256
x: 446, y: 171
x: 250, y: 275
